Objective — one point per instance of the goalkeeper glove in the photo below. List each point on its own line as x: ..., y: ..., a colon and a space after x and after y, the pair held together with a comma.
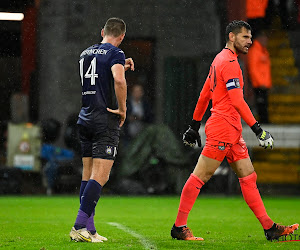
x: 191, y: 136
x: 265, y: 139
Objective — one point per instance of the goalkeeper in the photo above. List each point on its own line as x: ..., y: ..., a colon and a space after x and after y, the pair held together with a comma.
x: 224, y: 86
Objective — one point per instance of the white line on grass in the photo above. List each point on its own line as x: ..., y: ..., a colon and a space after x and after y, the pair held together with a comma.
x: 147, y: 244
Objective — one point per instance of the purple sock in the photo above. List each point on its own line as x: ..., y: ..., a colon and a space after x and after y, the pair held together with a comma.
x: 89, y: 201
x: 81, y: 220
x: 90, y: 226
x: 82, y: 187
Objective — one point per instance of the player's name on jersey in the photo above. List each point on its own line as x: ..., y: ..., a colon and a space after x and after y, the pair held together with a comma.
x: 89, y: 92
x: 94, y: 51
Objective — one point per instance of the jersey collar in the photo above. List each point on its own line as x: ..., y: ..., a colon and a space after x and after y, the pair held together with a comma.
x: 233, y: 53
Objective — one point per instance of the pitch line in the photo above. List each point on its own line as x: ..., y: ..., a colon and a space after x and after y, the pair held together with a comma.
x: 146, y: 244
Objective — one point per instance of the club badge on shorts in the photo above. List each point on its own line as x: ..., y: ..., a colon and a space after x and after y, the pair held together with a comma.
x: 221, y: 146
x: 111, y: 150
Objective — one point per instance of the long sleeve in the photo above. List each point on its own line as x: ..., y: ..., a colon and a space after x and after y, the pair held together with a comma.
x: 237, y: 98
x: 203, y: 101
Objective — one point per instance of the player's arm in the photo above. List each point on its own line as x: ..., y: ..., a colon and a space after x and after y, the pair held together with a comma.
x: 237, y: 98
x: 191, y: 136
x: 118, y: 72
x: 203, y: 101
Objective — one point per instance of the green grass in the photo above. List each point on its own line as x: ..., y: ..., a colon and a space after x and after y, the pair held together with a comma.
x: 224, y: 222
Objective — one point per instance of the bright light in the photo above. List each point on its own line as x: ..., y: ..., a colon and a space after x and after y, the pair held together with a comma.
x: 7, y: 16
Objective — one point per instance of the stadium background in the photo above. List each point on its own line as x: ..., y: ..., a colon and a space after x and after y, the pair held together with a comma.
x: 173, y: 43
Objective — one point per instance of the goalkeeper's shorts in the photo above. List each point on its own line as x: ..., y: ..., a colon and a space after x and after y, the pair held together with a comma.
x: 219, y: 150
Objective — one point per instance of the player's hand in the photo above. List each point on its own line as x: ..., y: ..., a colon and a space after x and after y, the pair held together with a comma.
x: 129, y: 64
x: 264, y: 138
x: 121, y: 114
x: 191, y: 136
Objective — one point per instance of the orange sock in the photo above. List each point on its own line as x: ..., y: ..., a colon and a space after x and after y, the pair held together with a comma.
x: 254, y: 201
x: 188, y: 197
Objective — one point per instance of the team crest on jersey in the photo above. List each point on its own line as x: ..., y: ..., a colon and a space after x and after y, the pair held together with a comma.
x: 109, y: 150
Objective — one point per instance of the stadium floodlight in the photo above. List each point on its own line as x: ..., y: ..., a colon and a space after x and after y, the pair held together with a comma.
x: 8, y: 16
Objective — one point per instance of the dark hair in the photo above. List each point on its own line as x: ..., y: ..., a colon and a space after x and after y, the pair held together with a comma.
x: 236, y: 27
x: 114, y: 27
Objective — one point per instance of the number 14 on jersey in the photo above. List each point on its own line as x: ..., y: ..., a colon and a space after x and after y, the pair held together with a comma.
x: 90, y: 73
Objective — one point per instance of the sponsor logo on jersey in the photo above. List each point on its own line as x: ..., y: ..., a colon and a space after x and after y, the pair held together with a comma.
x: 233, y: 84
x: 88, y: 92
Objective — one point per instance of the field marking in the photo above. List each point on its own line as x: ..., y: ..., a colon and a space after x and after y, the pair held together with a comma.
x: 146, y: 244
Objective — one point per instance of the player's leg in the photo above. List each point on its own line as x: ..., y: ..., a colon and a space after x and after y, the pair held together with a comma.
x: 204, y: 169
x: 91, y: 147
x: 86, y: 175
x: 100, y: 175
x: 240, y: 162
x: 247, y: 178
x: 101, y: 172
x: 87, y: 163
x: 86, y: 137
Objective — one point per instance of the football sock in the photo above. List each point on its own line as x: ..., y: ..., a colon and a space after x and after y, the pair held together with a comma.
x: 254, y: 201
x: 81, y: 220
x: 82, y: 187
x: 90, y: 226
x: 89, y: 201
x: 188, y: 197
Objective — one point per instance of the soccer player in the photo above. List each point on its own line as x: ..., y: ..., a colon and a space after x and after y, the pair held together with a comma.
x: 104, y: 91
x: 224, y: 85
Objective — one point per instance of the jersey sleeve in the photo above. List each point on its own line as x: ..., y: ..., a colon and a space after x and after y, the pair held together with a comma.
x: 231, y: 70
x: 118, y: 58
x: 203, y: 100
x: 231, y: 75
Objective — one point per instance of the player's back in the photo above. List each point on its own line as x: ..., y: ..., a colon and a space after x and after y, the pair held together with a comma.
x: 98, y: 85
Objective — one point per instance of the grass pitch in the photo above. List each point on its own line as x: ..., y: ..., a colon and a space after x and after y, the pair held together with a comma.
x: 141, y: 223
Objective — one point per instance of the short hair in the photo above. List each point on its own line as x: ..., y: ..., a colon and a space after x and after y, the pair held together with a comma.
x: 115, y: 27
x: 236, y: 27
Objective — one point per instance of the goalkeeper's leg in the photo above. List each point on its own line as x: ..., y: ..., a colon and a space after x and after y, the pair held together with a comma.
x: 247, y: 178
x: 202, y: 173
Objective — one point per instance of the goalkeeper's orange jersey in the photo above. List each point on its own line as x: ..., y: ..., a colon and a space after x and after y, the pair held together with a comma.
x: 224, y: 85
